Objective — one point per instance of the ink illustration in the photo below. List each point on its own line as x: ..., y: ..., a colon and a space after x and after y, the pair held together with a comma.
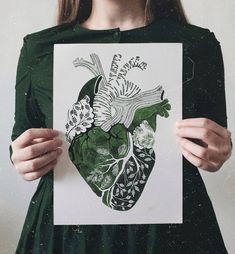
x: 111, y: 130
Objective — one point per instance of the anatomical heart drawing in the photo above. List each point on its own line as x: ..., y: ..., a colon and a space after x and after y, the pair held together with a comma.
x: 113, y: 105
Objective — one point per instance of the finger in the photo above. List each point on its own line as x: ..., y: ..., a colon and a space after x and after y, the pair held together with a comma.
x: 205, y: 123
x: 199, y: 163
x: 37, y: 163
x: 38, y: 149
x: 39, y: 140
x: 28, y: 136
x: 42, y: 171
x: 199, y: 151
x: 206, y: 135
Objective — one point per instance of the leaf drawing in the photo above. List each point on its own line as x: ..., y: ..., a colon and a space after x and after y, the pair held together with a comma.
x: 79, y: 118
x: 111, y: 130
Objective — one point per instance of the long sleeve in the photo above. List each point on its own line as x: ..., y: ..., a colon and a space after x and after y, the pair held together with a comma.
x: 213, y: 104
x: 22, y: 95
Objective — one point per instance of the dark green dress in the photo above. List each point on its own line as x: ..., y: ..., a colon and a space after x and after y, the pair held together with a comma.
x: 203, y: 96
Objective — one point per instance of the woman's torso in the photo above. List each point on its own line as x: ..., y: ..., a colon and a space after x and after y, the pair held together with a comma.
x: 199, y: 219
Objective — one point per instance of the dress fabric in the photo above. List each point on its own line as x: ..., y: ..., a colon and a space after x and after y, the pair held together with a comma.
x: 203, y: 96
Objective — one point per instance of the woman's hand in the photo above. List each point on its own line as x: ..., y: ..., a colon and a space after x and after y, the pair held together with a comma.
x: 212, y: 143
x: 35, y: 152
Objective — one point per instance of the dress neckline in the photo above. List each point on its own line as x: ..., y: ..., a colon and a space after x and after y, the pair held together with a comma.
x: 110, y: 30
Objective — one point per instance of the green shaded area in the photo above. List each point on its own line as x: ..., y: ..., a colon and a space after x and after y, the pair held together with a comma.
x: 150, y: 114
x: 96, y: 154
x: 90, y: 88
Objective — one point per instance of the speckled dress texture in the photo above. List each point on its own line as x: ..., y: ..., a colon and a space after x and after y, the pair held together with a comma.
x: 203, y: 96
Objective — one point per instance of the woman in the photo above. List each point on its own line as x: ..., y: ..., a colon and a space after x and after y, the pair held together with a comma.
x: 203, y: 137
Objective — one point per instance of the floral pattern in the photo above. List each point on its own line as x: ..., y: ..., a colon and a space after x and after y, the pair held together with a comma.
x: 79, y: 119
x: 143, y: 136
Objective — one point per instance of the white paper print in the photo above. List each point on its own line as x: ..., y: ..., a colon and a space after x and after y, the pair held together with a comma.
x: 115, y: 105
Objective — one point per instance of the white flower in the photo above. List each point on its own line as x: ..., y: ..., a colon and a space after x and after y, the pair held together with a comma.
x: 143, y: 136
